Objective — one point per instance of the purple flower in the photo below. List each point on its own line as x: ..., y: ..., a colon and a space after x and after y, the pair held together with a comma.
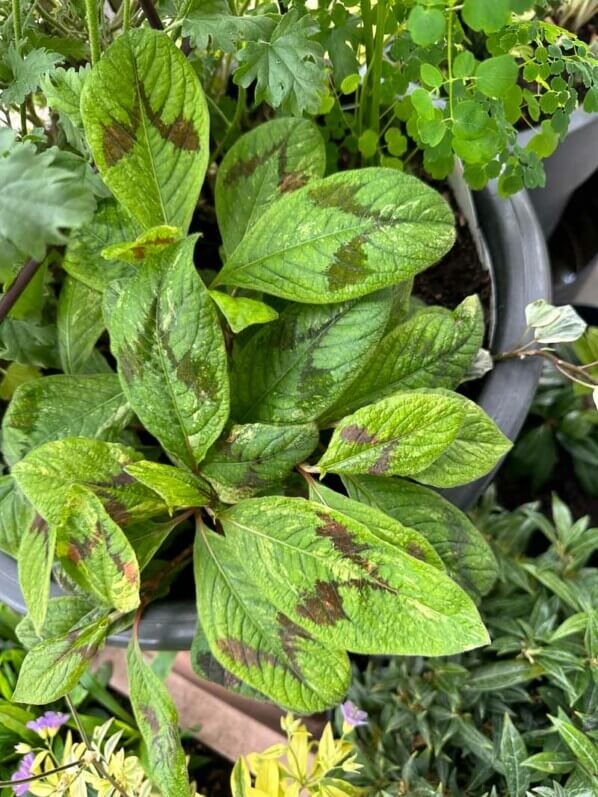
x: 24, y: 771
x: 48, y: 724
x: 352, y: 715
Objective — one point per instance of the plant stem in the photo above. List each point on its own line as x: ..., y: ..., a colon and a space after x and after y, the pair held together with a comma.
x: 368, y: 29
x: 93, y: 29
x: 7, y: 783
x: 18, y: 31
x: 449, y: 58
x: 235, y: 122
x: 21, y: 281
x: 377, y: 66
x: 126, y: 15
x: 151, y: 14
x: 574, y: 372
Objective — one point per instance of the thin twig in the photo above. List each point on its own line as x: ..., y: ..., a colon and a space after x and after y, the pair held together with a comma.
x: 21, y: 281
x: 151, y: 14
x: 6, y: 783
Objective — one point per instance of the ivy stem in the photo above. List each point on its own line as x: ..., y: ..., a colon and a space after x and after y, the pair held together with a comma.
x: 21, y: 281
x: 18, y: 31
x: 93, y: 29
x: 126, y: 15
x: 151, y: 14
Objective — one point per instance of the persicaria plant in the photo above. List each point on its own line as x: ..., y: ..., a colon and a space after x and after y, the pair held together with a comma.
x: 281, y: 418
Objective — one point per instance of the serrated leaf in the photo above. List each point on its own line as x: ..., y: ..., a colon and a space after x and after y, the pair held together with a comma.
x: 53, y: 667
x: 176, y: 487
x: 27, y: 72
x: 250, y: 458
x: 35, y: 558
x: 16, y: 515
x: 95, y: 553
x: 513, y: 753
x: 147, y: 125
x: 466, y: 554
x: 381, y: 525
x: 172, y: 363
x: 39, y: 200
x: 210, y: 23
x: 59, y: 406
x: 288, y: 69
x: 241, y: 312
x: 63, y: 89
x: 294, y: 369
x: 83, y: 258
x: 157, y: 720
x: 47, y: 474
x: 79, y: 322
x: 258, y: 643
x: 343, y: 236
x: 63, y: 614
x: 273, y: 159
x: 344, y: 586
x: 432, y: 349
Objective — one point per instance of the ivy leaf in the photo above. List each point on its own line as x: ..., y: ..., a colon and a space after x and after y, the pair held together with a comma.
x: 146, y: 122
x: 16, y: 515
x: 47, y: 474
x: 95, y: 552
x: 63, y: 613
x: 166, y: 337
x: 466, y: 554
x: 257, y: 643
x: 157, y: 720
x: 324, y: 347
x: 434, y: 348
x: 273, y: 159
x: 241, y: 312
x: 487, y: 15
x: 381, y: 525
x: 336, y: 580
x: 79, y: 322
x: 59, y: 406
x: 288, y: 69
x: 53, y: 667
x: 342, y: 237
x: 39, y: 200
x: 83, y: 258
x: 211, y: 24
x: 36, y: 555
x: 513, y: 753
x: 250, y: 458
x: 176, y: 487
x: 27, y: 72
x: 436, y: 436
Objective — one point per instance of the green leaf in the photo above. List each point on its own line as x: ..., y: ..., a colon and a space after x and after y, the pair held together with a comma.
x: 241, y: 312
x: 250, y: 458
x: 63, y: 613
x: 426, y: 25
x: 342, y: 237
x: 176, y: 487
x: 513, y: 753
x: 381, y: 525
x: 288, y: 69
x: 495, y: 76
x: 211, y: 24
x: 63, y: 88
x: 16, y: 515
x: 95, y: 552
x: 438, y: 437
x: 157, y: 720
x: 146, y: 121
x: 551, y: 762
x: 47, y: 474
x: 83, y: 259
x: 487, y: 15
x: 323, y: 348
x: 59, y: 406
x: 15, y: 375
x: 166, y: 337
x: 503, y: 675
x: 53, y: 668
x: 80, y: 323
x: 258, y: 643
x: 28, y: 343
x: 35, y: 559
x: 467, y: 556
x: 148, y: 536
x: 544, y: 143
x: 149, y: 243
x: 582, y: 747
x: 27, y: 72
x: 344, y: 586
x: 39, y: 200
x: 434, y: 348
x: 273, y: 159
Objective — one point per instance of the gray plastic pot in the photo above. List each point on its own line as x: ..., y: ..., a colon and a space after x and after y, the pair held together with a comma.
x: 520, y: 272
x: 571, y: 164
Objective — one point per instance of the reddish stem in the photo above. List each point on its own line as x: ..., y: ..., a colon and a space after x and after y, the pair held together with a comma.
x: 151, y: 14
x: 22, y: 280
